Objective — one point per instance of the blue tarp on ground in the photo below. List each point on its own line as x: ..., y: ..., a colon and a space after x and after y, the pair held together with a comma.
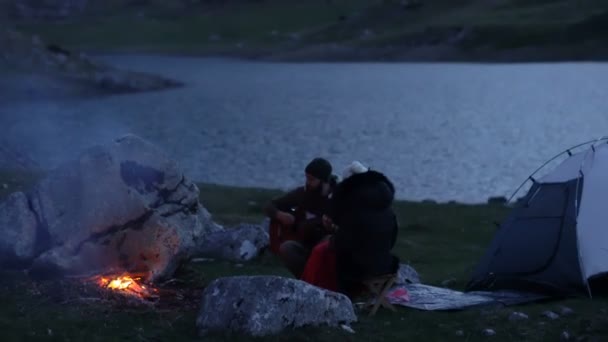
x: 432, y: 298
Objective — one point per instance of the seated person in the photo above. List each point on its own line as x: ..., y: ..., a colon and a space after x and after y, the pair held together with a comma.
x: 367, y: 228
x: 297, y: 216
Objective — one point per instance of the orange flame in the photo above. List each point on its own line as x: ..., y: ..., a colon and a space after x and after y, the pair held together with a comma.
x: 128, y: 285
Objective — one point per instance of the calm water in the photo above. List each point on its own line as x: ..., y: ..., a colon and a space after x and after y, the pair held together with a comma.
x: 440, y: 131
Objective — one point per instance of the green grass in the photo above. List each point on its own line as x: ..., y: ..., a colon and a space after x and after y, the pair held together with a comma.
x: 246, y: 27
x: 441, y: 241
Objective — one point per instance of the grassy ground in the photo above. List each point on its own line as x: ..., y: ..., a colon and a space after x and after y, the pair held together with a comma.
x: 441, y: 241
x: 371, y: 29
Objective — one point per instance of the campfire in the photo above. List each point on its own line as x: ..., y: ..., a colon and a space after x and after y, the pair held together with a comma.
x: 128, y: 285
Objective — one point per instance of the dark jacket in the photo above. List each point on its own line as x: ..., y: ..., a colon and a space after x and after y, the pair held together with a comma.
x: 300, y: 202
x: 361, y: 207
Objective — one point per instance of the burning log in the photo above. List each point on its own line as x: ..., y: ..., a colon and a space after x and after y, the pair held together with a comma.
x: 128, y: 285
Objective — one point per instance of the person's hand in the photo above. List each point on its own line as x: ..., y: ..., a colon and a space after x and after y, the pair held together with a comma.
x: 328, y: 223
x: 285, y: 219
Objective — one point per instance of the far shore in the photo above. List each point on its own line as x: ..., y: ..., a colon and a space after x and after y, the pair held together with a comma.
x: 344, y: 54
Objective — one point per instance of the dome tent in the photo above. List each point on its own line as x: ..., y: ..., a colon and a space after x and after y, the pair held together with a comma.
x: 555, y: 239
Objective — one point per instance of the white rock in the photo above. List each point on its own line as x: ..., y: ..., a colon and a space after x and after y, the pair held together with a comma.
x: 517, y: 316
x: 347, y: 328
x: 550, y: 315
x: 267, y: 305
x: 488, y: 332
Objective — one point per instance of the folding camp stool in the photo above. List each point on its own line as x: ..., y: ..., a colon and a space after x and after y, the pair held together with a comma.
x: 378, y: 288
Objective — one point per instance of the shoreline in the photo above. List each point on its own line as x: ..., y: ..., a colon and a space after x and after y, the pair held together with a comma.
x: 334, y: 53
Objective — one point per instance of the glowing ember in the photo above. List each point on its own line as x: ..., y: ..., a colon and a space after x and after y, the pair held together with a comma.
x: 127, y: 285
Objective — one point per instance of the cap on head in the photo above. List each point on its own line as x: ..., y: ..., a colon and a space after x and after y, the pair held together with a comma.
x: 354, y: 168
x: 319, y: 168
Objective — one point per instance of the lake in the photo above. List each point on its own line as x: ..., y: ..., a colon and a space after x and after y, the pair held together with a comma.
x: 461, y: 132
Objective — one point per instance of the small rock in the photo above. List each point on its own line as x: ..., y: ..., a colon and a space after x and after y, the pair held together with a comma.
x: 238, y: 265
x: 459, y: 333
x: 565, y: 311
x: 488, y: 332
x: 4, y: 186
x: 215, y: 37
x: 448, y: 282
x: 565, y: 336
x: 347, y: 328
x: 550, y: 315
x: 517, y: 316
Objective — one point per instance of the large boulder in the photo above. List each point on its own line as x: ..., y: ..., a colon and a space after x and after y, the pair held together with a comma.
x: 123, y: 206
x: 265, y: 305
x: 19, y: 230
x: 241, y: 243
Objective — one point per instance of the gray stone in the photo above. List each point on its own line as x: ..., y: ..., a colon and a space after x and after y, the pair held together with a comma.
x: 565, y: 311
x: 18, y: 230
x: 459, y: 333
x: 517, y: 316
x: 123, y: 206
x: 241, y: 243
x: 407, y: 275
x: 565, y: 336
x: 347, y: 328
x: 550, y: 315
x: 488, y: 332
x: 266, y: 305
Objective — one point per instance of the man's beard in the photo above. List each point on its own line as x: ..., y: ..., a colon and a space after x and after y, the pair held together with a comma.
x: 316, y: 189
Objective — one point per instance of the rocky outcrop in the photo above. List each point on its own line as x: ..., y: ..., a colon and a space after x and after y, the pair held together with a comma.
x: 31, y: 55
x: 13, y: 158
x: 265, y: 305
x: 123, y: 206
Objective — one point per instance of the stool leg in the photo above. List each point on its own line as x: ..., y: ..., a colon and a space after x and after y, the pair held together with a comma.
x: 381, y: 297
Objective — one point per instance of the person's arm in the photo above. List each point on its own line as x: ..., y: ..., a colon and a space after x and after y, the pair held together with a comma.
x: 344, y: 240
x: 284, y: 203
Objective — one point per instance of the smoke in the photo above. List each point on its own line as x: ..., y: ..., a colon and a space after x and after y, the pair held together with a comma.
x: 44, y: 120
